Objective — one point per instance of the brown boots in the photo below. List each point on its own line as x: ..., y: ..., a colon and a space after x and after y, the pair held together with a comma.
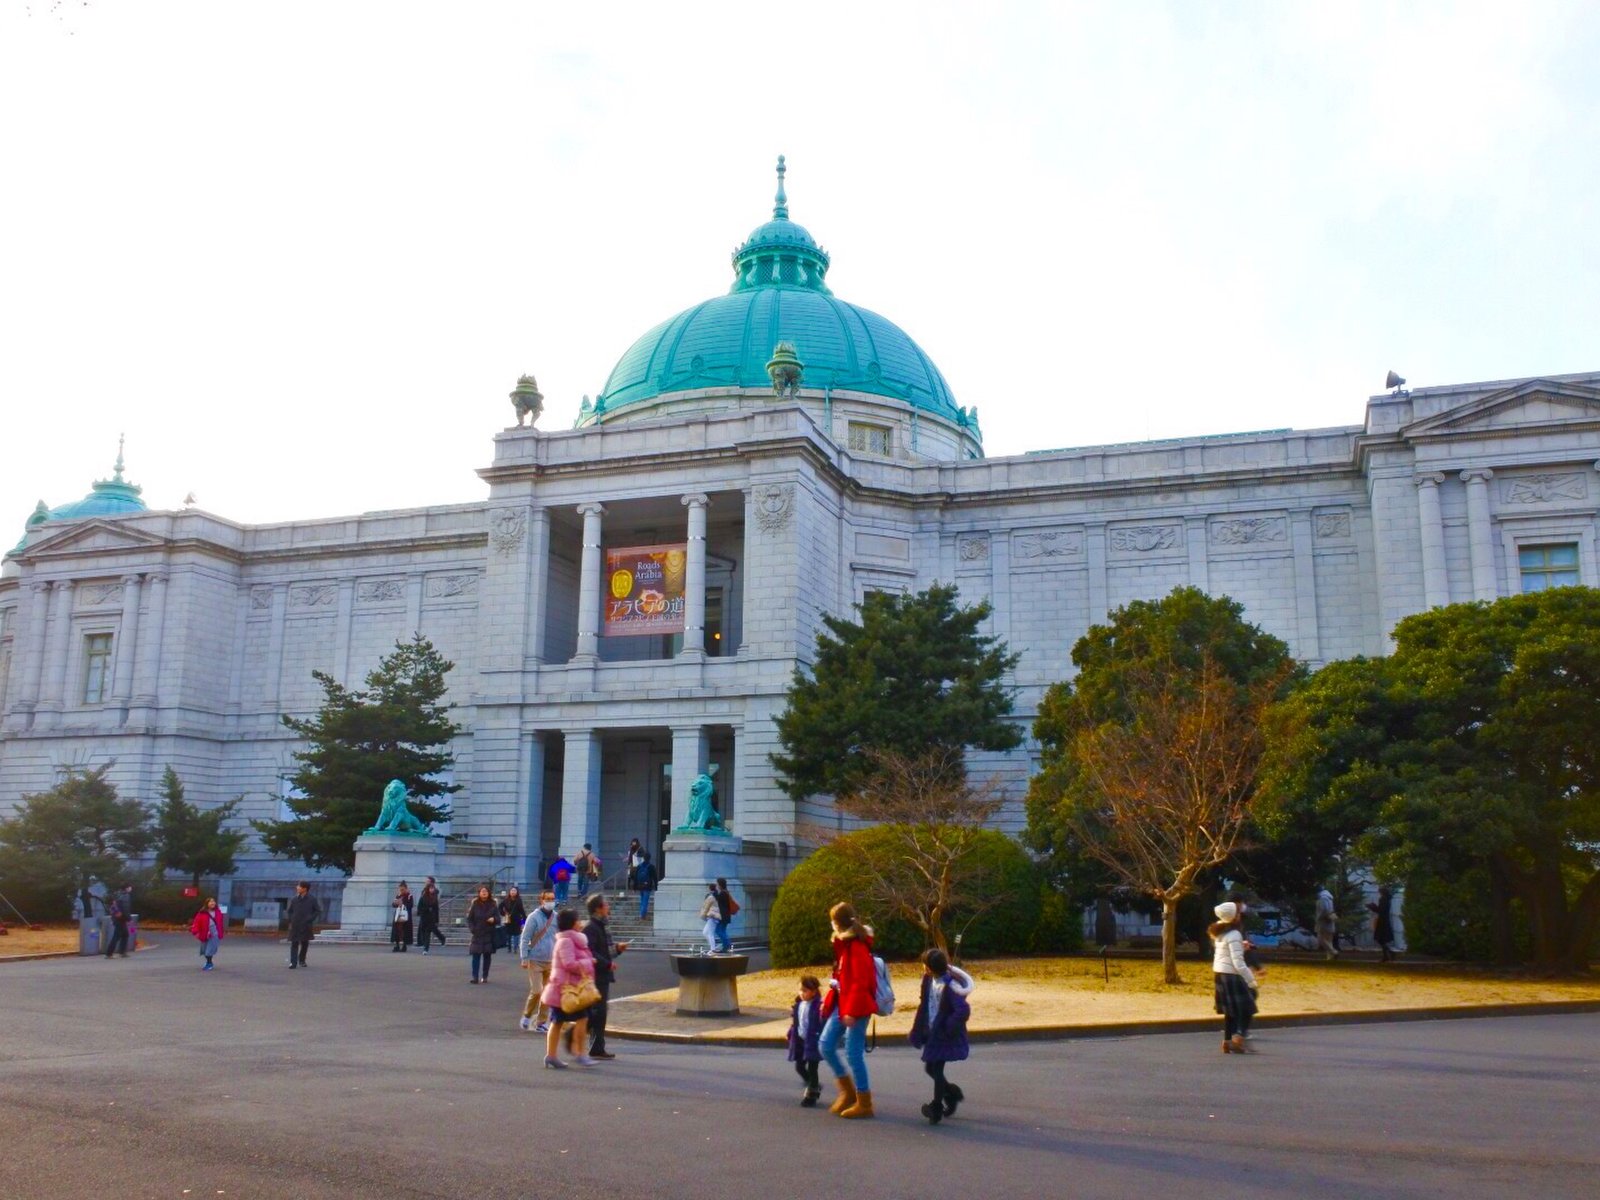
x: 860, y: 1109
x: 846, y: 1097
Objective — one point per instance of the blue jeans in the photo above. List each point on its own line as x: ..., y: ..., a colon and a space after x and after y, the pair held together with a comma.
x: 481, y: 960
x: 561, y: 891
x: 724, y: 943
x: 855, y: 1050
x: 644, y: 905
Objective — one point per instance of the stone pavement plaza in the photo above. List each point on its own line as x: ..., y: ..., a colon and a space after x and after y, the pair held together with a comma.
x: 374, y: 1074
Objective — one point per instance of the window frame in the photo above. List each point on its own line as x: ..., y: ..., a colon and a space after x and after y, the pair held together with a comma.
x: 1548, y: 569
x: 108, y: 672
x: 867, y: 430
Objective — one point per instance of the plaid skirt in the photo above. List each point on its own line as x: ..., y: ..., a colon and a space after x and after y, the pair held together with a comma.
x: 1233, y: 997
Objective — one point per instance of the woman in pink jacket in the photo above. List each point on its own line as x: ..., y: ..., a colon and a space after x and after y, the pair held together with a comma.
x: 571, y: 962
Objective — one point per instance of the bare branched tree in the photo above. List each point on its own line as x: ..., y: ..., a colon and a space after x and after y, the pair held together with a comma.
x: 932, y: 817
x: 1166, y: 793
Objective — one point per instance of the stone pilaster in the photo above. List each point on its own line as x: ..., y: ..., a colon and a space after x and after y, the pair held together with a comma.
x: 57, y: 650
x: 127, y: 641
x: 580, y: 790
x: 691, y: 751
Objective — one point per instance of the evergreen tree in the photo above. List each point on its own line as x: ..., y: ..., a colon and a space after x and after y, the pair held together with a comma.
x: 914, y: 676
x: 190, y: 839
x: 396, y: 727
x: 76, y: 834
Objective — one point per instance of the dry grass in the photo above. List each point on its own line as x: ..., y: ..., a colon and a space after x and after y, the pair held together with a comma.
x: 1012, y: 993
x: 18, y: 941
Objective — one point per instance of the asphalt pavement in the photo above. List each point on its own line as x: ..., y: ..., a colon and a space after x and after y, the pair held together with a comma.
x: 373, y: 1074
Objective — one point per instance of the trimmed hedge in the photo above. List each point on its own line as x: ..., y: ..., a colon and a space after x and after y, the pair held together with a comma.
x: 1030, y: 916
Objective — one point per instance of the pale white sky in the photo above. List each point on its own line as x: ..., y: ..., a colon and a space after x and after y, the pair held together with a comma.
x: 301, y: 250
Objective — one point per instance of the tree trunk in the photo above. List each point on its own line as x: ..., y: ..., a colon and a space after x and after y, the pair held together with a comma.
x: 1503, y: 950
x: 1169, y: 940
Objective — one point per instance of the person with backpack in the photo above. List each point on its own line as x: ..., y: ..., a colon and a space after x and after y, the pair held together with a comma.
x: 636, y: 855
x: 727, y: 910
x: 710, y: 913
x: 851, y: 1002
x: 587, y: 868
x: 939, y: 1029
x: 644, y: 880
x: 560, y: 876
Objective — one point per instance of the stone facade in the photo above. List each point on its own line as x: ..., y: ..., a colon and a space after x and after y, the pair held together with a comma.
x: 179, y: 637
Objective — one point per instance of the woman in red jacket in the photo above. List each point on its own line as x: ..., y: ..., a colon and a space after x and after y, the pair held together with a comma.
x: 851, y: 1001
x: 209, y: 928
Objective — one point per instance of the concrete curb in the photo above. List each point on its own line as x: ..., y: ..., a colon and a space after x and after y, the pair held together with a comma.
x: 1056, y: 1033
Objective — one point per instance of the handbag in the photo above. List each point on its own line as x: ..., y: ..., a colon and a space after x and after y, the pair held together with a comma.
x: 575, y: 997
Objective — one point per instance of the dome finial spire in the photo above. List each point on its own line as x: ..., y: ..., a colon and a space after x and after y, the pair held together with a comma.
x: 780, y: 204
x: 117, y: 473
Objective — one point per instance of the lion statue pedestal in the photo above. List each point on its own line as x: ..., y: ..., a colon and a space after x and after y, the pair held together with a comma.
x: 398, y: 847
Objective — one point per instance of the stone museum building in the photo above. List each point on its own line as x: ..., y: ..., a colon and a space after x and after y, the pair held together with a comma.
x: 626, y: 608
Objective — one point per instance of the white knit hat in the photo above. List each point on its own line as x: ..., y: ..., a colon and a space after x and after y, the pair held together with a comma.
x: 1226, y: 911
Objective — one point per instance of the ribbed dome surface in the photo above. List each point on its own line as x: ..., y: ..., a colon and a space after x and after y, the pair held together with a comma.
x: 779, y: 293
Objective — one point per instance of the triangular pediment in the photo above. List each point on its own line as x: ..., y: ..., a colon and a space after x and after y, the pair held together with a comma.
x: 1533, y: 404
x: 90, y: 537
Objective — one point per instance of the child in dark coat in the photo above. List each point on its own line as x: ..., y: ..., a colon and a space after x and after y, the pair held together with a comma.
x: 939, y: 1030
x: 805, y: 1025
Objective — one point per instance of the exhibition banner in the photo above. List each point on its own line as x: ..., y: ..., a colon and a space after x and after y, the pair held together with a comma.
x: 644, y: 590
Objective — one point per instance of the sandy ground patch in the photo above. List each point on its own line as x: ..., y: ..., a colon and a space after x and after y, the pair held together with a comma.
x: 1012, y: 993
x: 18, y: 941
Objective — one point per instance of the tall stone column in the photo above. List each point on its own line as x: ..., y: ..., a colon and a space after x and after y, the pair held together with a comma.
x: 580, y: 791
x: 694, y: 582
x: 127, y: 640
x: 147, y: 686
x: 56, y: 651
x: 1480, y: 532
x: 589, y: 588
x: 691, y: 751
x: 1435, y: 580
x: 531, y: 832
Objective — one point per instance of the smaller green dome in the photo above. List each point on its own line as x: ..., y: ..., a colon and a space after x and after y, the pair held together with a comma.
x: 114, y: 497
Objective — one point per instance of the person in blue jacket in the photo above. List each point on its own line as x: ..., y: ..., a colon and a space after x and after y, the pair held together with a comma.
x: 939, y: 1029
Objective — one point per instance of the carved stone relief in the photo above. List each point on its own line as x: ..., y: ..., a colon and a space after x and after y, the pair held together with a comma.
x: 444, y: 587
x: 1333, y: 525
x: 313, y: 595
x: 972, y: 548
x: 94, y: 595
x: 1043, y: 544
x: 376, y: 591
x: 1545, y: 489
x: 1143, y: 539
x: 506, y: 529
x: 1247, y: 531
x: 774, y: 504
x: 261, y: 599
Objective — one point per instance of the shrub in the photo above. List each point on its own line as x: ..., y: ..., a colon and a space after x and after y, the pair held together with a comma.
x: 798, y: 926
x: 1452, y: 918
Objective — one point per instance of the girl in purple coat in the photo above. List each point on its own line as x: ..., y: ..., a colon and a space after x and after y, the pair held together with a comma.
x: 939, y: 1030
x: 805, y: 1024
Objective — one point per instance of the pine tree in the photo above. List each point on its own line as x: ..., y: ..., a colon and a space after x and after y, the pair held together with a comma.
x: 190, y: 839
x: 396, y: 727
x: 76, y: 834
x: 914, y: 676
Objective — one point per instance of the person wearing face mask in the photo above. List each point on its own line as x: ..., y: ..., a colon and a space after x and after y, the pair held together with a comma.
x: 535, y: 948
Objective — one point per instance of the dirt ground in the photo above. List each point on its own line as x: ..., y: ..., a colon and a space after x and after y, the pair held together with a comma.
x: 1073, y: 991
x: 18, y: 941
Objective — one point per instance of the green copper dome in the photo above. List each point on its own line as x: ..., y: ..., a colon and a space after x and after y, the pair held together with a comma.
x: 114, y: 497
x: 779, y: 293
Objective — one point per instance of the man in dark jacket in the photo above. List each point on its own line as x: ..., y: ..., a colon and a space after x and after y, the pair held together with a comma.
x: 119, y: 928
x: 605, y: 952
x: 304, y: 913
x: 428, y: 915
